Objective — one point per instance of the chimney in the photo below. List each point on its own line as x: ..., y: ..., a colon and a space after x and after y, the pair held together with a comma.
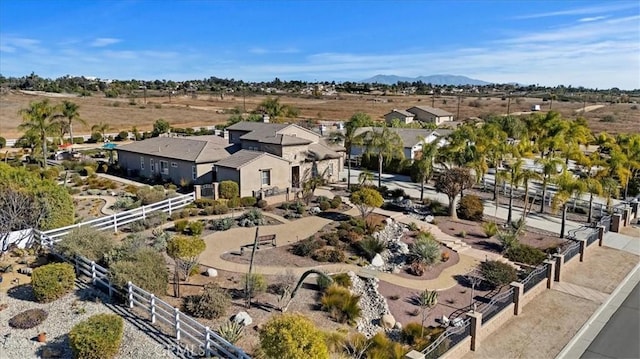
x: 225, y: 135
x: 265, y: 118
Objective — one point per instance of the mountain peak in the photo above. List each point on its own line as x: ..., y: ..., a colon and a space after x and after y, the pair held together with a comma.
x: 441, y: 79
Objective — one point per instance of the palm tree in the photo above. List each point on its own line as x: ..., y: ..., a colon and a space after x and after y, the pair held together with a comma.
x: 350, y: 138
x: 385, y: 144
x: 102, y: 129
x: 594, y: 187
x: 38, y: 119
x: 70, y: 114
x: 424, y: 163
x: 528, y: 175
x: 567, y: 187
x: 365, y: 177
x: 549, y: 170
x: 514, y: 177
x: 610, y: 188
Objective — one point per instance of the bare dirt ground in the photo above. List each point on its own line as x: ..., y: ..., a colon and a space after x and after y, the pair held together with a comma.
x: 603, y: 268
x: 207, y: 110
x: 545, y: 326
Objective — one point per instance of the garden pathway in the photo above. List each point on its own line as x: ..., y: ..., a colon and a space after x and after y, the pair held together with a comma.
x: 106, y: 208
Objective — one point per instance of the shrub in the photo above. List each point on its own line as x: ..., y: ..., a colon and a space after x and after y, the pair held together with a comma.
x: 211, y: 304
x: 231, y: 331
x: 526, y: 254
x: 498, y: 273
x: 336, y: 202
x: 220, y: 208
x: 262, y: 203
x: 292, y: 336
x: 233, y: 202
x: 341, y: 304
x: 87, y: 242
x: 342, y: 279
x: 333, y: 255
x: 148, y: 195
x: 324, y: 205
x: 471, y: 208
x: 204, y: 202
x: 229, y: 189
x: 181, y: 225
x: 323, y: 282
x: 490, y: 229
x: 3, y: 142
x: 425, y: 249
x: 196, y: 228
x: 98, y: 337
x: 248, y: 201
x: 28, y: 319
x: 420, y: 337
x: 413, y: 227
x: 255, y: 283
x: 145, y: 268
x: 221, y: 224
x: 417, y: 268
x: 371, y: 246
x: 300, y: 207
x: 332, y: 238
x: 380, y: 346
x: 52, y: 281
x: 306, y: 247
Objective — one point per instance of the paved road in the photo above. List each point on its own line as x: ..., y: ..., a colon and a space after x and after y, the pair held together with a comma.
x: 619, y: 337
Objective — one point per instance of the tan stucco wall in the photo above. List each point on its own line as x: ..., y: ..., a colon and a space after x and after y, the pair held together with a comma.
x: 295, y: 154
x: 300, y: 132
x: 305, y: 169
x: 250, y: 176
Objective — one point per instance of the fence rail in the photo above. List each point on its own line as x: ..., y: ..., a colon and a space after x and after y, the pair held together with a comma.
x: 571, y: 251
x: 447, y: 340
x: 536, y: 276
x: 496, y: 305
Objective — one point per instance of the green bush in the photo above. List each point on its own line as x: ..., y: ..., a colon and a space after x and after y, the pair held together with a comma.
x: 220, y: 208
x: 471, y: 208
x: 425, y: 249
x: 3, y: 142
x: 306, y: 247
x: 255, y: 283
x: 419, y: 337
x: 342, y: 305
x: 204, y: 202
x: 248, y: 201
x: 292, y: 336
x: 221, y: 224
x: 181, y: 225
x: 148, y: 195
x: 196, y: 228
x: 262, y: 203
x: 371, y: 246
x: 52, y: 281
x: 229, y: 189
x: 233, y: 202
x: 526, y: 254
x: 98, y: 337
x: 342, y: 279
x: 324, y: 205
x: 87, y: 242
x: 332, y: 238
x: 145, y: 268
x: 490, y: 229
x: 336, y: 202
x: 211, y: 304
x: 498, y: 273
x: 28, y: 319
x: 323, y: 282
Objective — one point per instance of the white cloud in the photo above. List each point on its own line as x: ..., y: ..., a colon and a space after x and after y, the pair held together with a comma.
x: 583, y: 11
x: 104, y: 41
x: 594, y: 18
x: 265, y: 51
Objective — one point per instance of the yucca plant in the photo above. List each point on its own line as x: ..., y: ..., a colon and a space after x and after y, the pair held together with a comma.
x: 231, y: 331
x: 371, y: 246
x: 490, y: 229
x: 425, y: 249
x: 426, y: 300
x: 342, y: 305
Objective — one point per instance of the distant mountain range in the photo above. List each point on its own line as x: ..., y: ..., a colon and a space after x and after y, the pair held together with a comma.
x: 453, y: 80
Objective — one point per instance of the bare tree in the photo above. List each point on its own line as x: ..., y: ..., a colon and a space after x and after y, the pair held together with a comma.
x: 18, y: 211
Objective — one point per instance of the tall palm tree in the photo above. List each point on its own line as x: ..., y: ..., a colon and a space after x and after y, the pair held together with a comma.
x: 549, y: 170
x: 424, y: 163
x: 594, y: 187
x: 610, y: 188
x: 528, y: 175
x: 514, y: 176
x: 71, y: 115
x: 349, y: 138
x: 39, y: 118
x: 385, y: 144
x: 567, y: 187
x: 102, y: 129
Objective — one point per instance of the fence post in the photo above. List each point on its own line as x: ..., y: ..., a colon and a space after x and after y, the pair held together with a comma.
x: 600, y: 230
x: 583, y: 248
x: 144, y: 215
x: 476, y: 324
x: 207, y: 345
x: 75, y: 261
x: 551, y: 264
x: 169, y: 206
x: 559, y: 263
x: 177, y: 319
x: 518, y: 295
x: 153, y: 308
x: 115, y: 223
x: 93, y: 272
x: 130, y: 294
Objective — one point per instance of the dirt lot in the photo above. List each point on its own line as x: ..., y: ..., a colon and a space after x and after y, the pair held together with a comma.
x: 207, y: 110
x: 603, y: 268
x: 545, y: 326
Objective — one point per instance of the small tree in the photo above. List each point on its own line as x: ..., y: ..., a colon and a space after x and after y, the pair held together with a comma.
x: 160, y: 126
x: 210, y: 304
x: 87, y: 242
x: 366, y: 199
x: 452, y: 182
x: 471, y: 208
x: 185, y: 251
x: 229, y: 189
x: 254, y: 284
x: 292, y: 336
x: 426, y: 300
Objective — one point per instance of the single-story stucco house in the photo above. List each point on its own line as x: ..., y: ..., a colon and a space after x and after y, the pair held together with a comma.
x: 430, y: 114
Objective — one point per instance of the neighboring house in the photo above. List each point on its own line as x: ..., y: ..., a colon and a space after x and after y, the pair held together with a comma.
x: 405, y: 117
x: 411, y: 139
x: 430, y: 114
x: 177, y: 159
x: 254, y: 172
x: 306, y: 151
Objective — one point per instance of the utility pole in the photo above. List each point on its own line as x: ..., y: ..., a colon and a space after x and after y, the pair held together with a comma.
x: 249, y: 280
x: 458, y: 114
x: 244, y: 99
x: 508, y: 104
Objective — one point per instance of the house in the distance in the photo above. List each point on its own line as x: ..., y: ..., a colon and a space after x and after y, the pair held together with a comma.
x: 412, y: 139
x: 181, y: 160
x: 430, y: 114
x: 403, y: 116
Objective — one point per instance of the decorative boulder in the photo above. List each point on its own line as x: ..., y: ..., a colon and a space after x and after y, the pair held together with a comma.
x: 377, y: 261
x: 388, y: 321
x: 389, y: 220
x: 211, y: 272
x: 243, y: 318
x: 398, y: 326
x: 25, y: 271
x: 428, y: 219
x: 315, y: 210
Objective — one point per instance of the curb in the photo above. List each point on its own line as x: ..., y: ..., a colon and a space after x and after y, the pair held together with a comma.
x: 572, y: 350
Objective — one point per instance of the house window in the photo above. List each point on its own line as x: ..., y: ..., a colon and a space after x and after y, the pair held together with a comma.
x: 194, y: 173
x: 266, y: 177
x: 330, y: 170
x: 152, y: 165
x: 174, y: 165
x: 164, y: 167
x: 141, y: 163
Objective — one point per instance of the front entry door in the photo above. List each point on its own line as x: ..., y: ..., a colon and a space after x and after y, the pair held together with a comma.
x: 295, y: 176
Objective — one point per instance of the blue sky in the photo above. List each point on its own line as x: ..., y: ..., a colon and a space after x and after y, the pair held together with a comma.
x: 580, y: 43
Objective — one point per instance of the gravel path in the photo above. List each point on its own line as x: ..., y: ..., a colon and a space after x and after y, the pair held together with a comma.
x: 63, y: 315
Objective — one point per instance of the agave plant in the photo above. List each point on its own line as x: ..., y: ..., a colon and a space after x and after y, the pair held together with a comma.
x: 231, y: 331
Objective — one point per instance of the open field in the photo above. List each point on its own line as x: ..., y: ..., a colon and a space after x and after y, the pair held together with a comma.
x: 208, y: 110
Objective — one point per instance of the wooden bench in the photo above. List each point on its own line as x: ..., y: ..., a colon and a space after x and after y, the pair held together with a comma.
x: 262, y: 241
